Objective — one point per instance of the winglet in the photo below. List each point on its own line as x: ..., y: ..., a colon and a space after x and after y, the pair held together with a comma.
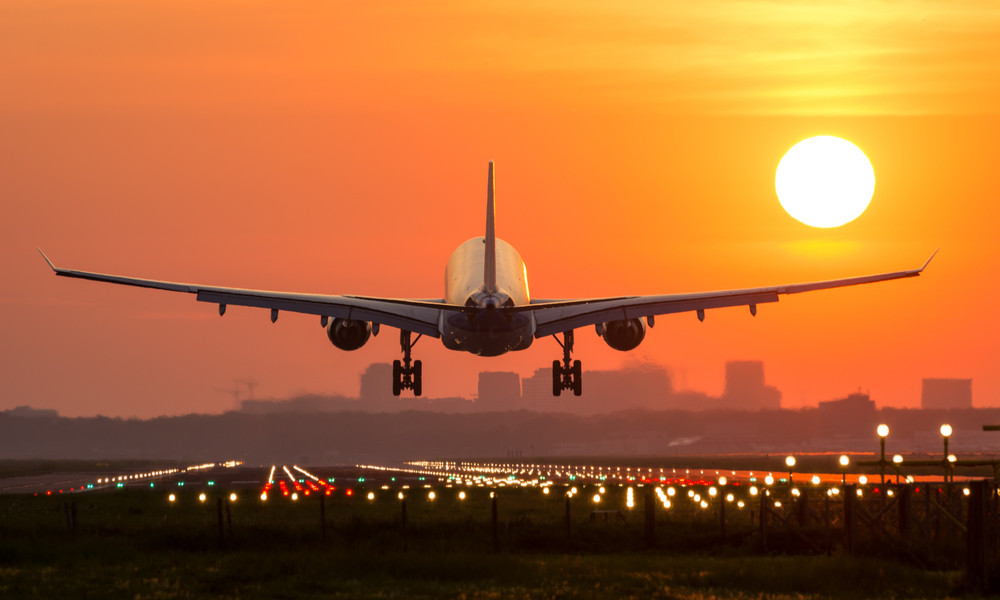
x: 490, y: 263
x: 928, y: 261
x: 53, y: 267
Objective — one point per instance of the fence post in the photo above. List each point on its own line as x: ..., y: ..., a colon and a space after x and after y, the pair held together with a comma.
x: 229, y: 521
x: 569, y: 530
x: 650, y: 507
x: 762, y: 517
x: 402, y: 507
x: 904, y: 510
x: 803, y: 507
x: 722, y: 516
x: 976, y: 537
x: 493, y: 497
x: 322, y: 517
x: 218, y: 510
x: 850, y: 496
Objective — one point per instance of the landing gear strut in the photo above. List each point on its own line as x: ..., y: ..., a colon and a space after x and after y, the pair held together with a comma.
x: 405, y: 377
x: 566, y: 376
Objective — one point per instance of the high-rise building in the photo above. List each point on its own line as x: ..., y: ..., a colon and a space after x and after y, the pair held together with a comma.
x: 946, y: 393
x: 745, y: 387
x: 499, y: 390
x: 536, y: 392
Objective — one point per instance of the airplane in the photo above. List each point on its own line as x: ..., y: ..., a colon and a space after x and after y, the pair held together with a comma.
x: 486, y: 309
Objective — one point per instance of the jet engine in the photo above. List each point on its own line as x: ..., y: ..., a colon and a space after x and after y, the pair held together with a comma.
x: 348, y: 334
x: 624, y: 335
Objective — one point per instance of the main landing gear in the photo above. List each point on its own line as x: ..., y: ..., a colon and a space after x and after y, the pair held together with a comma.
x: 405, y: 377
x: 566, y: 376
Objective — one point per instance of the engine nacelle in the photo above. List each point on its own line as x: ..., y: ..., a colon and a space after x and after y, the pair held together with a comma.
x: 348, y: 334
x: 624, y: 335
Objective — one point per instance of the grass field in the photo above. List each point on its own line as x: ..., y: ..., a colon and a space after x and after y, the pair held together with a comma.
x: 136, y: 544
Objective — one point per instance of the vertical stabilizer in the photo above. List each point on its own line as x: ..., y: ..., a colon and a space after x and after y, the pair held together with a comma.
x: 490, y: 264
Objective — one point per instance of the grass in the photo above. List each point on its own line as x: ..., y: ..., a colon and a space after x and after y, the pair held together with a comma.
x: 31, y: 467
x: 135, y: 544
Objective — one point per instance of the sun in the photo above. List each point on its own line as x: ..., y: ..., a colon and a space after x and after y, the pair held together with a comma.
x: 825, y: 181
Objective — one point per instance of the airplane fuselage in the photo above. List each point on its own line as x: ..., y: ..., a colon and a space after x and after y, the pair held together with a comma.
x: 485, y: 328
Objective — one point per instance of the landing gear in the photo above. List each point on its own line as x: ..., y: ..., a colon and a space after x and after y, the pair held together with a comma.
x: 404, y: 376
x: 566, y: 376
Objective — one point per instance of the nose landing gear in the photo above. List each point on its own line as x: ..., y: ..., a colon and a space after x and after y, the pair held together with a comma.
x: 566, y: 376
x: 404, y: 376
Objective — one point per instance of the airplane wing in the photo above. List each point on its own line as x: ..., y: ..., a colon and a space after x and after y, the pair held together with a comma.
x: 557, y: 316
x: 417, y: 316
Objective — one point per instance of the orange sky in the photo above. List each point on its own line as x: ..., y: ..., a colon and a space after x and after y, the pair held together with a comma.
x: 337, y: 148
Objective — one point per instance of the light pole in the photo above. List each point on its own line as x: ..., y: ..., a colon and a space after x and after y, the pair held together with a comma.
x: 883, y: 431
x: 897, y: 460
x: 946, y: 433
x: 790, y: 462
x: 844, y: 461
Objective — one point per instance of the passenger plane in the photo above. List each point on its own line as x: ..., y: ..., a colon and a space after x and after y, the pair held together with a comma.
x: 486, y: 308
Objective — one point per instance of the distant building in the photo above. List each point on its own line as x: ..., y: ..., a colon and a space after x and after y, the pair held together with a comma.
x: 376, y: 383
x: 27, y: 411
x: 499, y: 390
x: 536, y: 392
x: 946, y: 393
x: 745, y: 387
x: 853, y: 404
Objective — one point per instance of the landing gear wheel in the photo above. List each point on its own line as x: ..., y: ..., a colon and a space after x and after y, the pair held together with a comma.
x: 576, y: 376
x: 418, y: 384
x: 404, y: 376
x: 397, y: 378
x: 567, y: 374
x: 556, y: 378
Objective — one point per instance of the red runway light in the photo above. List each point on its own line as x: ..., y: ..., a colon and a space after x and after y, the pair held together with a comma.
x: 349, y: 492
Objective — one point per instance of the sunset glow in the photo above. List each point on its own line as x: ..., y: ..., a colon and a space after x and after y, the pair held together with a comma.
x: 340, y: 148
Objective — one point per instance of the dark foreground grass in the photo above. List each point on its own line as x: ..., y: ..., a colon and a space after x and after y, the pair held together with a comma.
x: 137, y: 545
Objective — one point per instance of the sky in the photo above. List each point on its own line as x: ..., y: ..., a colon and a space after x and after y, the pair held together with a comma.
x: 332, y: 147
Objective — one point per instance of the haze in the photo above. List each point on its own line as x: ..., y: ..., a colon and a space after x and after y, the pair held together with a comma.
x: 342, y: 148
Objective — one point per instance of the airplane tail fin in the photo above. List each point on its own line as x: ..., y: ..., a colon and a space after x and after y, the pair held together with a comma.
x: 490, y: 264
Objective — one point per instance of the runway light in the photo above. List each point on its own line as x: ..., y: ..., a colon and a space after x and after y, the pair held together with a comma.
x: 431, y: 496
x: 897, y: 459
x: 769, y: 480
x: 740, y: 504
x: 545, y: 490
x: 777, y: 504
x: 966, y: 491
x: 461, y: 495
x: 602, y: 489
x: 795, y: 492
x: 952, y: 458
x: 295, y: 496
x: 730, y: 497
x: 232, y: 497
x: 722, y: 480
x: 400, y: 495
x: 597, y: 498
x: 704, y: 504
x: 371, y: 495
x: 712, y: 491
x: 172, y: 497
x: 201, y: 497
x: 815, y: 480
x: 263, y: 496
x: 753, y: 490
x: 671, y: 491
